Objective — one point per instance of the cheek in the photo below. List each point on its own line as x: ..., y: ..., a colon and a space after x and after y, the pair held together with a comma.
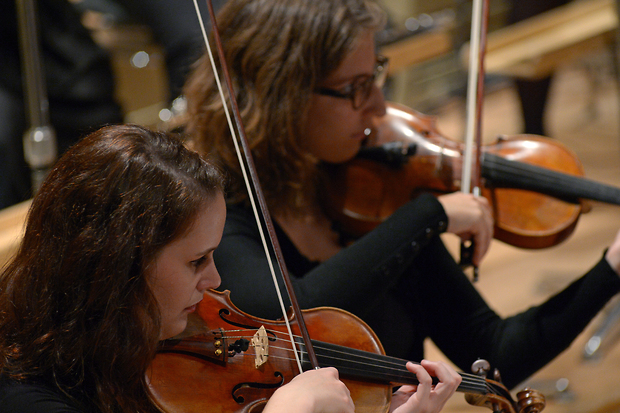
x: 165, y: 296
x: 169, y: 289
x: 329, y: 137
x: 172, y: 298
x: 334, y: 147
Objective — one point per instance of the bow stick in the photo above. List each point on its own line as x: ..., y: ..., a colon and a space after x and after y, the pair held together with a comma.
x: 256, y: 194
x: 470, y: 178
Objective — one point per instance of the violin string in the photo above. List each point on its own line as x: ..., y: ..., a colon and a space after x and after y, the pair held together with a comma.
x: 394, y: 366
x: 477, y: 385
x: 554, y: 181
x: 520, y: 169
x: 370, y: 357
x: 468, y: 383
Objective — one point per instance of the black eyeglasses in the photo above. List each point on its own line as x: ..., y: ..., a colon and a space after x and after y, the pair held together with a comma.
x: 360, y: 88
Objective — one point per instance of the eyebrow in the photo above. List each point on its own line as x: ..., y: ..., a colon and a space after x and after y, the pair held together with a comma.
x: 350, y: 80
x: 205, y: 252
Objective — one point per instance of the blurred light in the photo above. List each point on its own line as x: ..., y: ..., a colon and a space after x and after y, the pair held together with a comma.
x: 140, y: 60
x: 426, y: 20
x: 562, y: 384
x: 165, y: 115
x: 179, y: 105
x: 412, y: 24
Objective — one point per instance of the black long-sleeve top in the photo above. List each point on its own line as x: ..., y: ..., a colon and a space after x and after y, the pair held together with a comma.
x: 35, y: 397
x: 403, y: 282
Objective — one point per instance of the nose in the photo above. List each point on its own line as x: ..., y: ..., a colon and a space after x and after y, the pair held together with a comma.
x: 375, y: 105
x: 210, y: 279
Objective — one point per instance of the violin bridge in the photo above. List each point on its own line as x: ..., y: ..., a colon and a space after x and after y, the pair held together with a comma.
x: 261, y: 347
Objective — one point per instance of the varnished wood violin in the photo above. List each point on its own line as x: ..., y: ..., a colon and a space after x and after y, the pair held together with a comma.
x: 235, y: 362
x: 535, y: 185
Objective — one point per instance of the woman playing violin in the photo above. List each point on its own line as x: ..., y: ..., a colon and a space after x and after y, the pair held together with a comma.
x: 117, y: 252
x: 308, y: 82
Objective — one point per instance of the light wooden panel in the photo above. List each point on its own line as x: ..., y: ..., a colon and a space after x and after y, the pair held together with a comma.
x: 11, y: 226
x: 535, y: 47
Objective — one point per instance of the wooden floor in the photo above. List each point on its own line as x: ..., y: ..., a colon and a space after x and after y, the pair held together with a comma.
x: 583, y: 115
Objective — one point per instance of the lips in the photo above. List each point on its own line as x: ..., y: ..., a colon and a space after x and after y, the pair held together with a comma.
x: 191, y: 308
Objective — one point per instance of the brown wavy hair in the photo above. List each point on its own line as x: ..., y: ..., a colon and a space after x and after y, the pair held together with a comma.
x: 76, y: 311
x: 277, y: 51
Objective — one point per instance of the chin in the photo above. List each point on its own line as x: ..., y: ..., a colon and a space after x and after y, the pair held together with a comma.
x: 350, y: 156
x: 170, y: 331
x: 344, y: 155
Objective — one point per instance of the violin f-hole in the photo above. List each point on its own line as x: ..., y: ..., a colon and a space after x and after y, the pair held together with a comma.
x: 247, y: 387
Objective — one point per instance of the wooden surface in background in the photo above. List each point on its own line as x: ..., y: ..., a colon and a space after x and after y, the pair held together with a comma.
x: 11, y: 224
x: 417, y: 49
x: 535, y: 47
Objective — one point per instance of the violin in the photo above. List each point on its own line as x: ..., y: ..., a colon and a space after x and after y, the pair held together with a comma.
x: 235, y: 363
x: 535, y: 185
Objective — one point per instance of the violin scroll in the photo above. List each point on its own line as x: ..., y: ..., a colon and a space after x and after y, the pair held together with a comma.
x: 530, y: 401
x: 498, y: 399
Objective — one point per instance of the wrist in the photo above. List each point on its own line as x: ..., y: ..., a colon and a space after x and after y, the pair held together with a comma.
x: 284, y: 400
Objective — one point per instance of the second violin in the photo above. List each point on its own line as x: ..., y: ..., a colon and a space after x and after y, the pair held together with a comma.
x: 534, y: 184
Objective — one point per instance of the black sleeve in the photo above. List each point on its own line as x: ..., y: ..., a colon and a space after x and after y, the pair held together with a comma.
x: 32, y: 398
x: 543, y: 332
x: 349, y: 280
x: 464, y: 328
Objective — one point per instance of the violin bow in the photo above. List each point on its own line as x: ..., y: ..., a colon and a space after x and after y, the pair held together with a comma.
x: 254, y: 189
x: 470, y: 178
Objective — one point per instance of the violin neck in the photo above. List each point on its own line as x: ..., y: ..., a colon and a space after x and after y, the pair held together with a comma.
x: 504, y: 173
x: 362, y: 365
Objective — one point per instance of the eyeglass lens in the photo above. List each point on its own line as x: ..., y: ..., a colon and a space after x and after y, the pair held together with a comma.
x: 363, y: 90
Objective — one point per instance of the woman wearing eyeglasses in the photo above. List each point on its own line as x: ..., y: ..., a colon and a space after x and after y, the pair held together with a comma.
x: 308, y: 82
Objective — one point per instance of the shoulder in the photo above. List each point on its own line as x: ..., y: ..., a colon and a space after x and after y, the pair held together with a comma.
x: 239, y: 219
x: 32, y: 398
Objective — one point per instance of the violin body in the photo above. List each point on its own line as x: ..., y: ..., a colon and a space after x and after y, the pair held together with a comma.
x: 196, y: 380
x: 530, y: 209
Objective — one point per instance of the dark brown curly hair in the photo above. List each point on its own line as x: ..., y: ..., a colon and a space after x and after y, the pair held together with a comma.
x: 76, y: 311
x: 277, y: 51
